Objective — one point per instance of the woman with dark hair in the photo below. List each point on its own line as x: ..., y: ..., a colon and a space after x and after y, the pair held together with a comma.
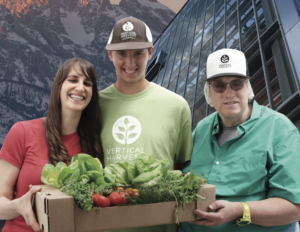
x: 72, y: 126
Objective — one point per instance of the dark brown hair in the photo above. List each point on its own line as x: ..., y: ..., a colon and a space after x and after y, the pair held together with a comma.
x: 89, y: 124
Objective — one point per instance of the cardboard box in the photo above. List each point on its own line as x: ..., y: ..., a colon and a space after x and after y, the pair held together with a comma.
x: 57, y: 212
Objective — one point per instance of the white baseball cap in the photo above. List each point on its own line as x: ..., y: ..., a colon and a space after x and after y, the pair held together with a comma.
x: 226, y: 62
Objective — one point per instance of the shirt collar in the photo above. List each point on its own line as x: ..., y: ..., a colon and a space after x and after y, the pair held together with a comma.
x: 246, y: 126
x: 215, y: 124
x: 255, y: 114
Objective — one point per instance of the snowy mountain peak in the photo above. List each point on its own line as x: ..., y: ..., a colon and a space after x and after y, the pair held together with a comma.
x: 22, y: 6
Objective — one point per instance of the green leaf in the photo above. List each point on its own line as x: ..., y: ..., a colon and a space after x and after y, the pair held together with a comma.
x: 126, y: 121
x: 132, y: 127
x: 53, y: 177
x: 121, y: 128
x: 46, y: 172
x: 120, y: 136
x: 132, y: 135
x: 60, y: 166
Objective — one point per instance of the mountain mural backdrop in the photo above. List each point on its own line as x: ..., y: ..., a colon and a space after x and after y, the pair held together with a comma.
x: 37, y: 36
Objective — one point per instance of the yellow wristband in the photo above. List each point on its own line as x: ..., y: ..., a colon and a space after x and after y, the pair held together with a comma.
x: 246, y: 219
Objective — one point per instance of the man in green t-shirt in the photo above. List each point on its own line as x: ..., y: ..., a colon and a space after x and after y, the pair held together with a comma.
x: 249, y: 152
x: 139, y: 116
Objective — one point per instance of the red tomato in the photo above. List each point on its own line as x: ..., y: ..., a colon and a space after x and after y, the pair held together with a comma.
x: 135, y: 190
x: 120, y: 189
x: 129, y: 191
x: 100, y: 201
x: 118, y: 198
x: 135, y: 195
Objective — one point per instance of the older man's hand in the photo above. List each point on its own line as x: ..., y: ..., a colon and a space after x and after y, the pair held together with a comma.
x: 225, y: 211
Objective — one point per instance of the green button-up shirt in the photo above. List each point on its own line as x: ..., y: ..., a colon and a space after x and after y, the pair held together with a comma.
x: 261, y: 162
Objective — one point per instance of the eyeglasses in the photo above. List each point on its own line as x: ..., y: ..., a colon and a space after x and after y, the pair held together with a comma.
x: 220, y: 86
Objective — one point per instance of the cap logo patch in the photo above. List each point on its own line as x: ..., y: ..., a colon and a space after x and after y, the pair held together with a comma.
x: 224, y: 59
x: 128, y: 26
x: 128, y: 34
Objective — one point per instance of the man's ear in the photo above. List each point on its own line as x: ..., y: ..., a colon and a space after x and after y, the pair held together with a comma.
x: 150, y: 53
x: 110, y: 55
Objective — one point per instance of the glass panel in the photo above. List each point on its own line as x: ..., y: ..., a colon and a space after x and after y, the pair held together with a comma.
x: 161, y: 73
x: 247, y: 24
x: 190, y: 90
x: 164, y: 46
x: 293, y: 42
x: 175, y: 22
x: 189, y: 5
x: 209, y: 3
x: 230, y: 7
x: 173, y: 84
x: 177, y: 61
x: 182, y: 80
x: 197, y: 37
x: 276, y: 93
x: 187, y: 49
x: 260, y: 16
x: 185, y: 25
x: 208, y: 25
x: 200, y: 111
x: 194, y: 64
x: 182, y: 13
x: 232, y: 33
x: 165, y: 35
x: 154, y: 80
x: 177, y: 35
x: 201, y: 9
x: 170, y: 42
x: 241, y: 1
x: 206, y: 50
x: 169, y: 69
x: 298, y: 5
x: 194, y: 14
x: 219, y: 15
x: 154, y: 52
x: 201, y: 82
x: 219, y: 39
x: 259, y: 86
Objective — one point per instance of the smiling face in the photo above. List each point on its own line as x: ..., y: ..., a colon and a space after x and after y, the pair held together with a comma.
x: 232, y: 105
x: 130, y: 65
x: 76, y: 91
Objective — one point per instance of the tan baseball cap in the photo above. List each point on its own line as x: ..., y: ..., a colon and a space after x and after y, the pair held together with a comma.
x: 226, y: 62
x: 129, y: 34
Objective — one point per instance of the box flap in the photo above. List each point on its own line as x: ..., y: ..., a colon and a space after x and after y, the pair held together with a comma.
x: 209, y: 192
x: 51, y: 203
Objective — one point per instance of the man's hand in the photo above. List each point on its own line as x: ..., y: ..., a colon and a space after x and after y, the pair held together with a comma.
x: 225, y: 211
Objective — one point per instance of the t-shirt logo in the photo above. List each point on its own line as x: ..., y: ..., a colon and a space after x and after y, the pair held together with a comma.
x: 126, y: 130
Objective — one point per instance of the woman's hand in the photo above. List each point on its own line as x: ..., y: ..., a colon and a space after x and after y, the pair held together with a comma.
x: 23, y: 206
x: 225, y: 211
x: 11, y: 208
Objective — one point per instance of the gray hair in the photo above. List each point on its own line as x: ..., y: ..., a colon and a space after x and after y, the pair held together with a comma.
x: 208, y: 96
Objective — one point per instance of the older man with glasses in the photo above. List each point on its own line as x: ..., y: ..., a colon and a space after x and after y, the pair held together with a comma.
x: 250, y: 152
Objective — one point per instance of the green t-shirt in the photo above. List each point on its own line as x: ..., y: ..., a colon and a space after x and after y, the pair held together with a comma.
x: 260, y: 163
x: 155, y: 121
